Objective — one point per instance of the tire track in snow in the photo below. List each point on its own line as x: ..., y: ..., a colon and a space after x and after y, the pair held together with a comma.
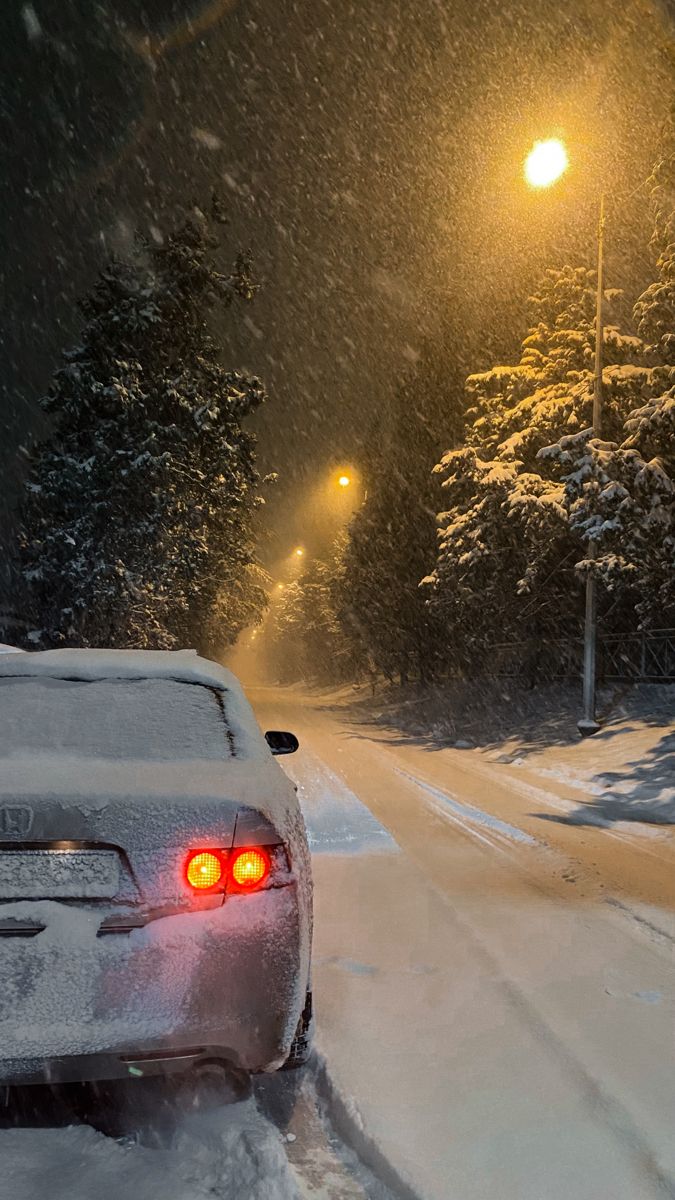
x: 337, y: 821
x: 493, y: 832
x: 602, y: 1105
x: 642, y: 922
x: 626, y: 835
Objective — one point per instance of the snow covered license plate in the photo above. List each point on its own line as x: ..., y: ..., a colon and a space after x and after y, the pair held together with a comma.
x: 58, y: 874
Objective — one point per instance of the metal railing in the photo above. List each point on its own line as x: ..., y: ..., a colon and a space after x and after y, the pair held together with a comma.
x: 647, y: 657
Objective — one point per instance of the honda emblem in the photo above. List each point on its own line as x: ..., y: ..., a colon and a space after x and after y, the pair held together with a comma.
x: 15, y: 819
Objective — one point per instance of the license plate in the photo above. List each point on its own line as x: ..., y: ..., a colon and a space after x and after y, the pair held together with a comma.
x: 59, y: 874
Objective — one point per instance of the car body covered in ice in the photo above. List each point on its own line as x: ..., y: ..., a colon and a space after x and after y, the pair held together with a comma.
x: 155, y: 890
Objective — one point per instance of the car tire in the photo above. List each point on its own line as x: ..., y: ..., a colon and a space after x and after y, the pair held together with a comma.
x: 301, y: 1046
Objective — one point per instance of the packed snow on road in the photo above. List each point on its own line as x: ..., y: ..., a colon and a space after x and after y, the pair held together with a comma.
x: 494, y: 965
x: 493, y: 971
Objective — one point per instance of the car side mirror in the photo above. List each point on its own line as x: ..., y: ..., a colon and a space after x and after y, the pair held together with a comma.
x: 281, y: 742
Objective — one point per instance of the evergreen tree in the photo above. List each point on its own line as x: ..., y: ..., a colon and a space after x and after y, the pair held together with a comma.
x: 305, y: 636
x: 241, y: 602
x: 392, y: 539
x: 505, y: 567
x: 138, y: 511
x: 284, y: 635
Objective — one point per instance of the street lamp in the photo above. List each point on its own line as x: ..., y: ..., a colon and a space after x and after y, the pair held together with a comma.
x: 545, y: 163
x: 344, y: 481
x: 299, y: 552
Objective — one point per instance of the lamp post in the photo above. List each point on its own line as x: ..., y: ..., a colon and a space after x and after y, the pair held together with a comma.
x: 588, y: 725
x: 545, y: 163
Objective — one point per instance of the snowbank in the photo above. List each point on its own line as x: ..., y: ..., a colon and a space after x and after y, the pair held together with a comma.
x: 218, y: 1155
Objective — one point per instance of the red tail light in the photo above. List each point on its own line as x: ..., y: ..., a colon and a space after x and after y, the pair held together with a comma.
x: 219, y: 870
x: 250, y: 868
x: 205, y: 870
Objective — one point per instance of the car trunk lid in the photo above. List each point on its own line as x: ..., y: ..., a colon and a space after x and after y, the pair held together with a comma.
x: 106, y: 784
x: 101, y: 821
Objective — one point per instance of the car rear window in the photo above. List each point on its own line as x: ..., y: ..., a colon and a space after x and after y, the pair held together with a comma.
x: 113, y: 718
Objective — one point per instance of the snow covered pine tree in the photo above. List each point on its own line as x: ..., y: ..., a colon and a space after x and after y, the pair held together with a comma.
x: 621, y: 492
x: 136, y: 524
x: 505, y: 567
x: 306, y: 638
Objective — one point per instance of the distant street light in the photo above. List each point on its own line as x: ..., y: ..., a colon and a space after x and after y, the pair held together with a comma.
x: 545, y: 163
x: 299, y: 552
x: 344, y: 481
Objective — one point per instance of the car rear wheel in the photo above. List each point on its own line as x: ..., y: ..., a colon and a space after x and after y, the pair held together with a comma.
x: 301, y: 1046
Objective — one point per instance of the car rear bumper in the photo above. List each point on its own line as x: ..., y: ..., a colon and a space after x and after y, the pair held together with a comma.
x: 90, y: 1068
x: 225, y: 984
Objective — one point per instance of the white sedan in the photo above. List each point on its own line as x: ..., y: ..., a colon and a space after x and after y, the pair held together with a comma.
x: 155, y: 890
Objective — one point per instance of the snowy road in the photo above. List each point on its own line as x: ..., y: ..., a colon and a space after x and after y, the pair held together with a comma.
x: 495, y: 981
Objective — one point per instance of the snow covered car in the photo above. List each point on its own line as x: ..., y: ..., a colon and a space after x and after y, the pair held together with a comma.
x: 155, y: 889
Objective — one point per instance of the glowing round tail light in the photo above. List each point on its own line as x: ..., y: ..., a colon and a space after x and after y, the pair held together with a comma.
x: 250, y: 868
x: 204, y: 870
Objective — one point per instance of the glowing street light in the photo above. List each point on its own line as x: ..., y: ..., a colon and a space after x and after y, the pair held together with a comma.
x: 299, y: 552
x: 344, y: 481
x: 546, y: 162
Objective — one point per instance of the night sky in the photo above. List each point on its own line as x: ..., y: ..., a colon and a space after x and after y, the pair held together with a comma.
x: 370, y: 153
